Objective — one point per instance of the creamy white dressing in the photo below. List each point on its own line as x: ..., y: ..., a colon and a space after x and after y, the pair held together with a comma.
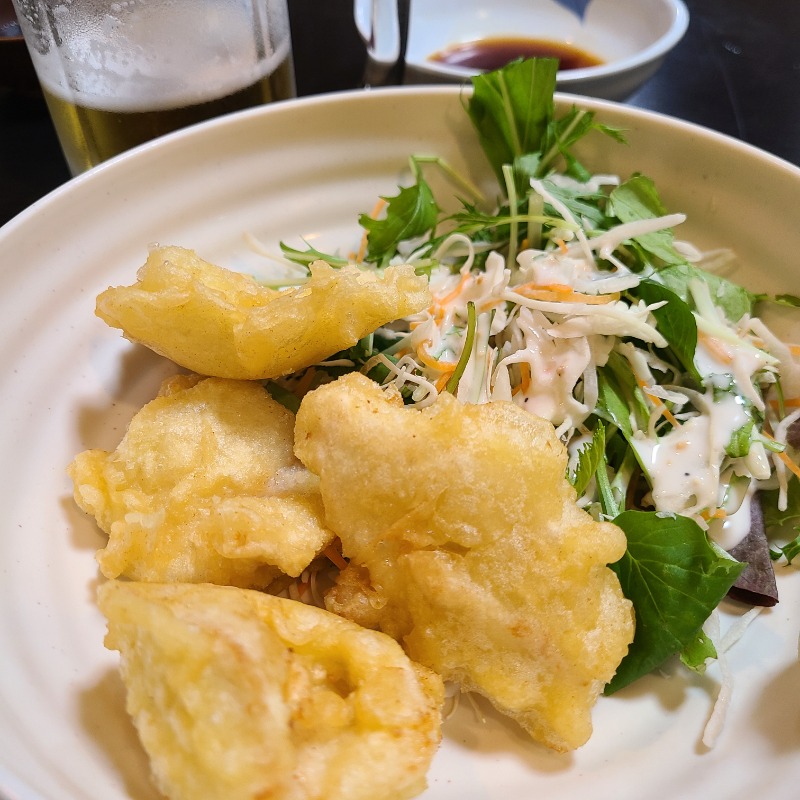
x: 684, y: 464
x: 788, y: 366
x: 730, y: 360
x: 727, y: 532
x: 555, y: 366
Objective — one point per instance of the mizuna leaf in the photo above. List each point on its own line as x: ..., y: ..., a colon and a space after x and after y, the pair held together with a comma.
x: 590, y: 457
x: 411, y: 213
x: 511, y: 109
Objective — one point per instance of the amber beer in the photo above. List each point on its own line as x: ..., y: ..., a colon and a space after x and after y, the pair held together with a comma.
x: 91, y: 135
x: 116, y: 75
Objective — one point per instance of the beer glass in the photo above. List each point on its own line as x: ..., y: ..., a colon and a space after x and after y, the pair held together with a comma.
x: 116, y: 73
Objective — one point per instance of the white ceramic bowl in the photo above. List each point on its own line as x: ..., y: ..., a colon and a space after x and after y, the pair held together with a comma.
x: 630, y: 37
x: 305, y: 170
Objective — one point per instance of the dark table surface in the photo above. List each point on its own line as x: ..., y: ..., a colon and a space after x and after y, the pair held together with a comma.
x: 737, y: 71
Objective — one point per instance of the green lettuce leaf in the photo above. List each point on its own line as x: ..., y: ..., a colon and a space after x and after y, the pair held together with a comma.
x: 734, y: 300
x: 695, y: 654
x: 675, y: 322
x: 637, y: 199
x: 675, y: 578
x: 619, y: 394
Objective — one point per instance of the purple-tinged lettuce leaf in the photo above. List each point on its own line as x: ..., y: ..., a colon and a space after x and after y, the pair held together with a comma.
x: 793, y: 435
x: 756, y: 585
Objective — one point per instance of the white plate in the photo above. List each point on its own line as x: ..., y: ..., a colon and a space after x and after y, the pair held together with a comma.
x: 308, y: 168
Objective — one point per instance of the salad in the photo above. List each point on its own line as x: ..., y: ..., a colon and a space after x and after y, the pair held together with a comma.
x: 575, y: 298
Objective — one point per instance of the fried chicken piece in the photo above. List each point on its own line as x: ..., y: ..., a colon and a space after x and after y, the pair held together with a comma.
x: 239, y: 695
x: 192, y: 491
x: 484, y: 567
x: 221, y: 323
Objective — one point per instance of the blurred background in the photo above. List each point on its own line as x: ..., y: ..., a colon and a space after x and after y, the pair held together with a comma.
x: 737, y: 70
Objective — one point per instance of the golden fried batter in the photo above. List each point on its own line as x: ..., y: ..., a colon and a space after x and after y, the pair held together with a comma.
x: 488, y: 571
x: 192, y: 493
x: 221, y: 323
x: 239, y: 695
x: 354, y: 597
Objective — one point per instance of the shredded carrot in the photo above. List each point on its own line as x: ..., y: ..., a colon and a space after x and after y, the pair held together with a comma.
x: 335, y: 556
x: 716, y: 347
x: 443, y: 301
x: 304, y: 384
x: 553, y: 287
x: 668, y: 415
x: 660, y: 405
x: 719, y: 513
x: 524, y: 379
x: 446, y: 368
x: 562, y: 246
x: 429, y: 361
x: 788, y: 402
x: 487, y: 305
x: 362, y: 250
x: 790, y: 465
x: 437, y: 313
x: 558, y: 293
x: 441, y: 381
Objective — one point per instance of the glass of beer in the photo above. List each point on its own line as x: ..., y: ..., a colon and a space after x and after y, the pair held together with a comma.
x: 116, y: 73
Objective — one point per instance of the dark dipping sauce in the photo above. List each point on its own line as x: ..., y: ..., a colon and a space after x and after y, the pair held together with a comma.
x: 493, y: 53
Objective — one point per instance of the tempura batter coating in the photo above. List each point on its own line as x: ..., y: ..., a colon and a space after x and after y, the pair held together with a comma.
x: 487, y: 570
x: 218, y: 322
x: 239, y: 695
x: 191, y: 494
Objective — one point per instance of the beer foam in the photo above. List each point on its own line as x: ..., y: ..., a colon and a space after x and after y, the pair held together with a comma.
x: 146, y: 66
